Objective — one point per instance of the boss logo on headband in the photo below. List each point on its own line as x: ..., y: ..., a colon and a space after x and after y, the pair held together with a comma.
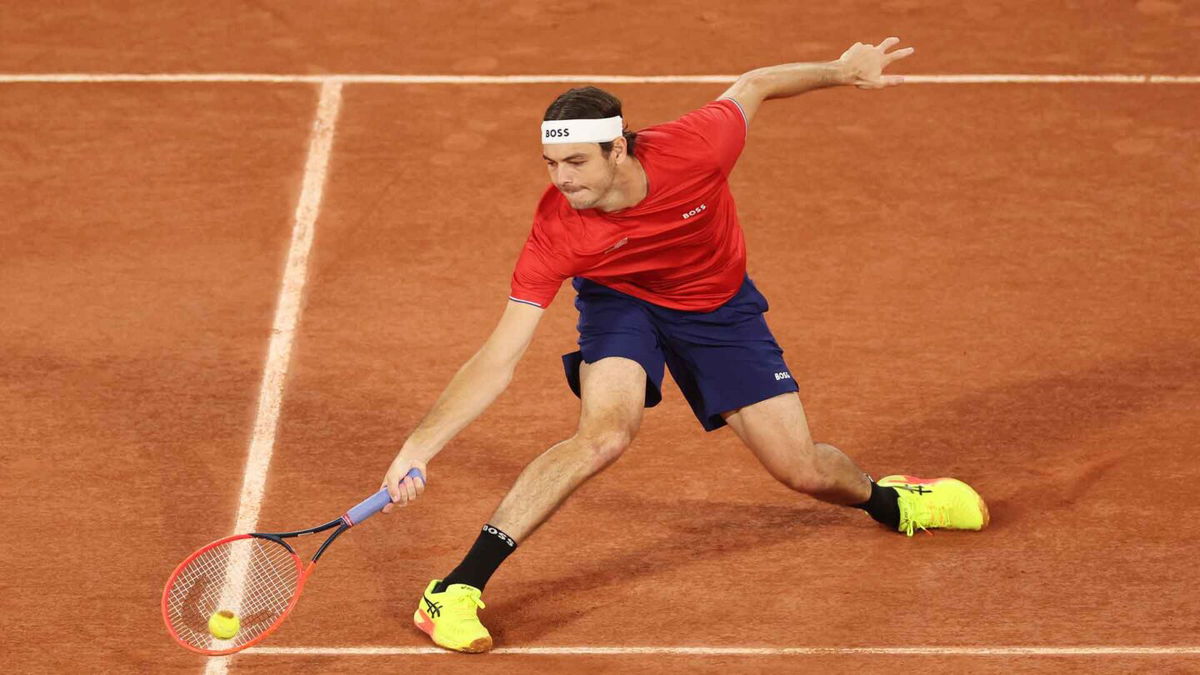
x: 582, y: 130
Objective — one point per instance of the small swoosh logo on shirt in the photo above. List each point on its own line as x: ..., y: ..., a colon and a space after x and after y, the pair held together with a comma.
x: 617, y: 245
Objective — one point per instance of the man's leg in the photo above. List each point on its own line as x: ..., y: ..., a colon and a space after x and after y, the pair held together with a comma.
x: 612, y: 400
x: 731, y: 370
x: 612, y: 394
x: 776, y: 431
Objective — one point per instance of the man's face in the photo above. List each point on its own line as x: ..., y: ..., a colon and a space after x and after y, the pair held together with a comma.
x: 580, y: 171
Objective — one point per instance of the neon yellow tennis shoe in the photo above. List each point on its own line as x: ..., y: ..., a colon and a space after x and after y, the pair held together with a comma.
x: 945, y: 503
x: 450, y: 618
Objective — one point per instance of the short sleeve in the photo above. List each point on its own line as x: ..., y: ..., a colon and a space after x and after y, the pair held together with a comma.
x: 535, y: 280
x: 722, y: 124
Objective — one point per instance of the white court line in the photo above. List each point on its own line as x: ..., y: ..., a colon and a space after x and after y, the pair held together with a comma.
x: 743, y: 651
x: 368, y: 78
x: 283, y: 331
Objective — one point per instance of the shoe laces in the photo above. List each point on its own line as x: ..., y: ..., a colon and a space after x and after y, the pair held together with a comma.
x: 925, y: 515
x: 471, y: 599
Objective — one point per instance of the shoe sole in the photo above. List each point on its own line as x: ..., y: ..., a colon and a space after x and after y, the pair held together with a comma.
x: 423, y: 622
x: 913, y: 480
x: 987, y: 517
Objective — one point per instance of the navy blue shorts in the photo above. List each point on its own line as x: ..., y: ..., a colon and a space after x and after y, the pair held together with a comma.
x: 722, y: 360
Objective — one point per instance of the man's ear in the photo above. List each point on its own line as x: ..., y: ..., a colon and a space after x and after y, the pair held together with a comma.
x: 620, y: 149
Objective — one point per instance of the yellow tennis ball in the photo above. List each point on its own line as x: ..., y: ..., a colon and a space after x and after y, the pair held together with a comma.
x: 224, y: 624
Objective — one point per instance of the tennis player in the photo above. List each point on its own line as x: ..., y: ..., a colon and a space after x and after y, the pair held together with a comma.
x: 645, y: 224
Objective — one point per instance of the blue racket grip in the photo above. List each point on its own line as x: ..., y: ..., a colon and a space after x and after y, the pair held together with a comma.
x: 375, y: 503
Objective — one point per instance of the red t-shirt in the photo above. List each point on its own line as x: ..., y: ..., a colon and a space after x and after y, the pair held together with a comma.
x: 681, y: 247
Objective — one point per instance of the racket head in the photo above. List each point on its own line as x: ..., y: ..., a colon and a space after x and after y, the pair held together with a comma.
x: 257, y: 578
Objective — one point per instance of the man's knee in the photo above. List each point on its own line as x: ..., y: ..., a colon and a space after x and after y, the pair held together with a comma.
x: 604, y: 447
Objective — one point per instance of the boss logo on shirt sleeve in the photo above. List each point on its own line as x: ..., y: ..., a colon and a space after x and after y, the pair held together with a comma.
x: 558, y: 133
x: 695, y: 211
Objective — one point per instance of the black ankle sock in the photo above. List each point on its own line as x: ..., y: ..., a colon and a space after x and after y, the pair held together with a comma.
x: 883, y: 505
x: 490, y: 549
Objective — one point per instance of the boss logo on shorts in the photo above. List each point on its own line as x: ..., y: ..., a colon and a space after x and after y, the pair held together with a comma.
x: 782, y: 376
x: 503, y: 537
x: 695, y: 211
x: 558, y: 133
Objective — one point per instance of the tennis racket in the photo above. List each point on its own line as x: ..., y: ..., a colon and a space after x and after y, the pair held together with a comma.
x: 255, y: 577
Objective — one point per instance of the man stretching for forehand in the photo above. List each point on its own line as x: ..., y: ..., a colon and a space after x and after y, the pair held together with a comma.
x: 646, y: 225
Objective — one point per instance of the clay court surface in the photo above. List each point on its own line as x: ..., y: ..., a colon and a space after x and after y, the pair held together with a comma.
x: 993, y: 281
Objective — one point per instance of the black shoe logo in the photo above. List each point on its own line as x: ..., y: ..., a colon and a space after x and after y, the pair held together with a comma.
x: 919, y: 489
x: 433, y: 609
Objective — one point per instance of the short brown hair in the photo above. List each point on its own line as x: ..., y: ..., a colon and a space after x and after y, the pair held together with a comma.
x: 589, y: 103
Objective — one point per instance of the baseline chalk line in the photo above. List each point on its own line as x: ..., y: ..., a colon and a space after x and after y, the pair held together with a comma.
x: 383, y: 78
x: 747, y: 651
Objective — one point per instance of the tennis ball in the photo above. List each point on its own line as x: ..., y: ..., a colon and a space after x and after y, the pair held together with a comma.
x: 224, y: 624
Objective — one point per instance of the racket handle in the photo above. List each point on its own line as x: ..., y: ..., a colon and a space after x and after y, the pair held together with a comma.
x: 375, y: 503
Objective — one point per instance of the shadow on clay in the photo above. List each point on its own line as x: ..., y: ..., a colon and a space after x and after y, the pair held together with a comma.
x: 1029, y: 446
x: 724, y: 528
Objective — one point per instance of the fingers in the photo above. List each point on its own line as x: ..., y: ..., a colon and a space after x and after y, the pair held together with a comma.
x: 392, y: 485
x: 393, y: 489
x: 410, y: 489
x: 872, y: 78
x: 401, y: 494
x: 887, y: 81
x: 898, y: 54
x: 888, y: 43
x: 403, y: 489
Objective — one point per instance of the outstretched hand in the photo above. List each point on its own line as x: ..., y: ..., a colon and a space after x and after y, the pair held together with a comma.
x: 863, y: 65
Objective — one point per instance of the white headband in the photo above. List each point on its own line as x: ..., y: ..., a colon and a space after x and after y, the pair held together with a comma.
x: 582, y: 131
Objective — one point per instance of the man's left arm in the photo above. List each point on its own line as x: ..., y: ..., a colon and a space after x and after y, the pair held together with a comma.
x: 861, y: 65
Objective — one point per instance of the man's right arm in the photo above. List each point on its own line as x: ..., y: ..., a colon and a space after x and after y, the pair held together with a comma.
x: 861, y: 65
x: 472, y: 389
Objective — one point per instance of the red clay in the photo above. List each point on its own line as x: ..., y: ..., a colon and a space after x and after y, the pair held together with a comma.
x: 991, y: 282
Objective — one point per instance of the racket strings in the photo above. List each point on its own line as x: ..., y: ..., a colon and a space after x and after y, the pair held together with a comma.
x: 253, y: 578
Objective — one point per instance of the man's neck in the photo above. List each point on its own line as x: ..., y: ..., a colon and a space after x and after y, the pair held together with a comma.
x: 629, y: 189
